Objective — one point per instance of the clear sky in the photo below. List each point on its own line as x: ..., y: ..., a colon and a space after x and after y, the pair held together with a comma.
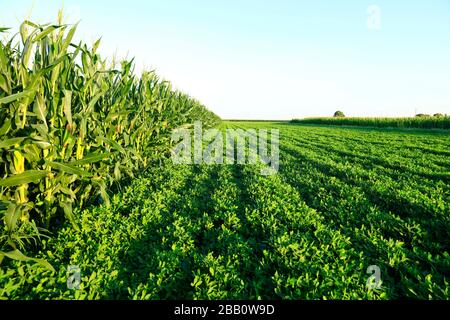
x: 267, y: 59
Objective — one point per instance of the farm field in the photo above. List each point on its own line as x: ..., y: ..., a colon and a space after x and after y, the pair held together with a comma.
x: 437, y: 121
x: 344, y: 199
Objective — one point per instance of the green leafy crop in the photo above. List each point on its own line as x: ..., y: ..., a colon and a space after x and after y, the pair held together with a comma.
x: 344, y: 199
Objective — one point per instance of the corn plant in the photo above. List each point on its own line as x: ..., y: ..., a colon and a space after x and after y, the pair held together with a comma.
x: 72, y: 125
x: 423, y: 122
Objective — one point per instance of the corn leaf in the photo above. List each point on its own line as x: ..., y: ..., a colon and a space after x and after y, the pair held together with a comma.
x: 5, y: 144
x: 44, y: 33
x: 67, y: 208
x: 90, y: 158
x: 15, y: 97
x: 68, y: 168
x: 17, y: 255
x: 68, y: 106
x: 29, y: 176
x: 11, y: 216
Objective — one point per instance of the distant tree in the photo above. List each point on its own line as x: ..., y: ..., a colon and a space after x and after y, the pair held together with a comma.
x: 438, y: 115
x: 422, y: 115
x: 339, y: 114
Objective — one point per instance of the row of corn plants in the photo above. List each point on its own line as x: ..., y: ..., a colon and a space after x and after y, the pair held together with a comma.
x: 441, y: 122
x: 72, y: 126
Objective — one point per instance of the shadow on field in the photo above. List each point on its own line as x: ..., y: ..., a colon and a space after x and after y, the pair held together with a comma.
x: 338, y: 213
x: 256, y: 273
x: 151, y: 259
x: 368, y: 161
x: 162, y: 264
x: 386, y: 200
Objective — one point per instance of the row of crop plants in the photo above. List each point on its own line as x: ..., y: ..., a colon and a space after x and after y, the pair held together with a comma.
x: 426, y: 122
x: 198, y: 232
x: 386, y: 191
x: 393, y: 210
x: 227, y: 232
x: 73, y: 126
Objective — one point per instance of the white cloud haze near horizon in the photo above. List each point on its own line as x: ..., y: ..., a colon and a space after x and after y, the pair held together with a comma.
x: 277, y: 59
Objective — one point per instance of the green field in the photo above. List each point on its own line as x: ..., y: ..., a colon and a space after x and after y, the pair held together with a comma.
x: 421, y: 122
x: 343, y: 199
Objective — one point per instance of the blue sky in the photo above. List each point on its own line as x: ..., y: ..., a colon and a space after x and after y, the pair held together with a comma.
x: 275, y: 59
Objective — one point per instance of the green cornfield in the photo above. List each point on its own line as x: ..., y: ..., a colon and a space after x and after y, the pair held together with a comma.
x: 73, y: 127
x: 427, y: 122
